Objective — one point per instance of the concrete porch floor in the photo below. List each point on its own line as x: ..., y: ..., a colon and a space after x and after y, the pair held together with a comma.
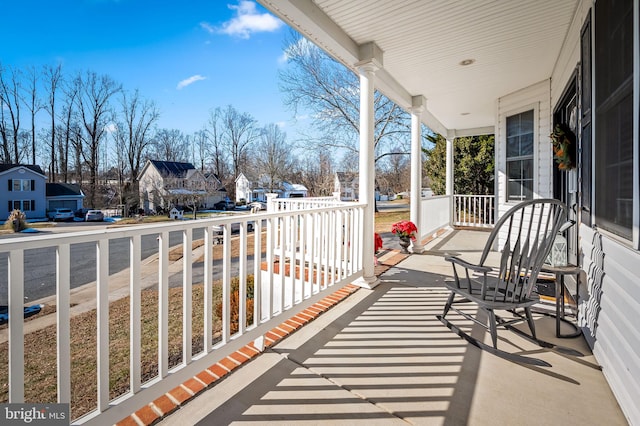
x: 382, y: 357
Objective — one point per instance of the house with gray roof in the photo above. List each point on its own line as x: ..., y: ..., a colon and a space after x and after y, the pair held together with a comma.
x: 64, y: 195
x: 24, y: 189
x: 166, y: 183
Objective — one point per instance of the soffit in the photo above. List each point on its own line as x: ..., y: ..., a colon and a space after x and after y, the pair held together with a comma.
x: 514, y: 43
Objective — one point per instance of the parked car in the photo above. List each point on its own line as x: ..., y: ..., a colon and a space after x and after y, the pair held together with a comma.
x: 94, y: 216
x: 225, y: 205
x: 81, y: 214
x: 60, y: 214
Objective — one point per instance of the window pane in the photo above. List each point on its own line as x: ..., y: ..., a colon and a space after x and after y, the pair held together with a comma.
x: 527, y: 169
x: 513, y: 146
x: 17, y: 185
x: 16, y: 205
x: 526, y: 144
x: 26, y: 185
x: 513, y: 125
x: 515, y: 191
x: 26, y: 206
x: 526, y: 122
x: 514, y: 170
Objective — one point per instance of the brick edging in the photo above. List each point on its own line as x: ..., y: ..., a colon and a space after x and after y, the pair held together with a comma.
x: 180, y: 395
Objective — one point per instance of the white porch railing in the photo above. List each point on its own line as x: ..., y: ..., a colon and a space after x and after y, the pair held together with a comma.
x: 477, y: 211
x: 435, y: 214
x: 298, y: 256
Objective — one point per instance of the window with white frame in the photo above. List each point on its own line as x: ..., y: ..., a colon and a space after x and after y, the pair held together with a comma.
x: 21, y: 185
x: 23, y: 205
x: 520, y: 138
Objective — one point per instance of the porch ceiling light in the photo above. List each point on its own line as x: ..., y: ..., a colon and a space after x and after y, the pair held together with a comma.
x: 466, y: 62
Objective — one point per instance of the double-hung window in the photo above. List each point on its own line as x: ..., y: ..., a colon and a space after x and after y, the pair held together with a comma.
x: 520, y: 156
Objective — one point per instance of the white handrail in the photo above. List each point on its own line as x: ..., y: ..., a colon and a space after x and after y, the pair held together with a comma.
x: 315, y: 251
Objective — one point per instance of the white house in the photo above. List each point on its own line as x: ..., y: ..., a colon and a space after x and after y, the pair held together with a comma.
x: 243, y: 189
x: 165, y: 183
x: 346, y: 184
x: 257, y: 191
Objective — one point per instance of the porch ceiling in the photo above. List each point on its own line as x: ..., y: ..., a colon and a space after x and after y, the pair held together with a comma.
x: 513, y: 43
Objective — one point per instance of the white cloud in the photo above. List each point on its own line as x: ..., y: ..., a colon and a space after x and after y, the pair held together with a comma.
x: 187, y: 81
x: 207, y: 27
x: 247, y: 21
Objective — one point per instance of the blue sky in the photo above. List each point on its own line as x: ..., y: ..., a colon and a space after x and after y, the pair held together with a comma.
x: 188, y: 56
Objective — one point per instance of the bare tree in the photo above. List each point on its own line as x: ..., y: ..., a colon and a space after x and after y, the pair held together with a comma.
x: 10, y: 109
x: 33, y: 105
x: 53, y: 76
x: 216, y: 144
x: 317, y: 172
x: 273, y: 158
x: 200, y: 148
x: 139, y: 116
x: 93, y: 104
x: 239, y: 132
x: 169, y: 145
x: 315, y: 82
x: 69, y: 130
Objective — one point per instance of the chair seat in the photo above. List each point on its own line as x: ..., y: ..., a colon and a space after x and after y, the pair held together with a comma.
x: 476, y: 297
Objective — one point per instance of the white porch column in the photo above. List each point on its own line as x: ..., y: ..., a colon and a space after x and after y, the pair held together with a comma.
x: 449, y: 181
x: 418, y: 104
x: 367, y: 172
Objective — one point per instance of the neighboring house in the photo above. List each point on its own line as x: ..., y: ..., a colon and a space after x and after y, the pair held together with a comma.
x: 293, y: 190
x: 64, y: 195
x: 23, y: 189
x: 167, y: 183
x: 243, y: 189
x: 346, y: 183
x: 251, y: 191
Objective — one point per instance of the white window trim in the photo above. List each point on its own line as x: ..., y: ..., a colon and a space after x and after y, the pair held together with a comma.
x: 535, y: 106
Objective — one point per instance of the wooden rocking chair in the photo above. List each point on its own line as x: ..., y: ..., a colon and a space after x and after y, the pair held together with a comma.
x: 526, y: 234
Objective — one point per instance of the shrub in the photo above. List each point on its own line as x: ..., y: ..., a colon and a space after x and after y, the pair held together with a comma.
x: 20, y: 224
x: 234, y: 303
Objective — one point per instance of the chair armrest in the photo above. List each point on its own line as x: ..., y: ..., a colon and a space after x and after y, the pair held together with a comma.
x: 467, y: 265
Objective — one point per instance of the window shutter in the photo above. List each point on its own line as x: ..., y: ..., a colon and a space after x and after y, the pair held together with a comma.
x: 33, y: 205
x: 33, y: 184
x: 10, y: 184
x: 10, y: 204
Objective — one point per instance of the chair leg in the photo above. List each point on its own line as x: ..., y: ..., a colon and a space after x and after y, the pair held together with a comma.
x: 532, y: 326
x: 447, y: 306
x: 493, y: 327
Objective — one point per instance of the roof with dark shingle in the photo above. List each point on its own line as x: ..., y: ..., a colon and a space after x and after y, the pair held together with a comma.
x: 32, y: 167
x: 172, y: 168
x: 63, y: 190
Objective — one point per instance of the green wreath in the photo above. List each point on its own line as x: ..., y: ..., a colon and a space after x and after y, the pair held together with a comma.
x: 564, y: 147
